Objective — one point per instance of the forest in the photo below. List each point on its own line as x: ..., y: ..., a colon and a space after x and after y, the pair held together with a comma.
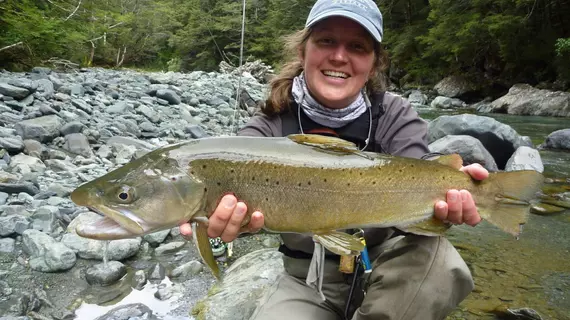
x: 494, y: 42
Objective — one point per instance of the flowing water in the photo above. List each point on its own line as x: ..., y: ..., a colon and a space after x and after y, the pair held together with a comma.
x: 534, y: 271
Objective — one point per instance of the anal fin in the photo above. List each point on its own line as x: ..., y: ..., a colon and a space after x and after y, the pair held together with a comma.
x: 340, y: 243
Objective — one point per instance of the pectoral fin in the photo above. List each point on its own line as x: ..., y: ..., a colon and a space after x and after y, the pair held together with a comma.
x: 327, y: 144
x: 340, y: 243
x: 200, y: 234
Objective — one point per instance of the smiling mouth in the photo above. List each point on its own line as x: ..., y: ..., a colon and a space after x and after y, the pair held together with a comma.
x: 336, y: 74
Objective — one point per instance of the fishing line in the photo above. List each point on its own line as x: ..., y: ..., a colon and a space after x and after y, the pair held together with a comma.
x: 235, y: 118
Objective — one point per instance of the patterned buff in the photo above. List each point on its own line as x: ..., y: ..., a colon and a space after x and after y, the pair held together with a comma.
x: 332, y: 118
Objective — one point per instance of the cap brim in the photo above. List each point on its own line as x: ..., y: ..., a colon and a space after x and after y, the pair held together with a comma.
x: 355, y: 17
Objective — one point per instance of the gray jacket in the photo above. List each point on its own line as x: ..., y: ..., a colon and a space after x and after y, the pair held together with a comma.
x: 400, y: 132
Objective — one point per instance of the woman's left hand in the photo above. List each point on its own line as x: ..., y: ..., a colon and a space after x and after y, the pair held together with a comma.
x: 460, y: 207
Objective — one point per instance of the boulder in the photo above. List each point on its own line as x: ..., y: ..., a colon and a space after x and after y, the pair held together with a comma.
x: 499, y: 139
x: 523, y: 99
x: 469, y: 148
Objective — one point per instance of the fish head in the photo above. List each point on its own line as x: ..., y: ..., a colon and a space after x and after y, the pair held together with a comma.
x: 149, y: 194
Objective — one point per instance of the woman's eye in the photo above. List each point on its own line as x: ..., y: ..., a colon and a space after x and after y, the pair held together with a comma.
x: 326, y: 41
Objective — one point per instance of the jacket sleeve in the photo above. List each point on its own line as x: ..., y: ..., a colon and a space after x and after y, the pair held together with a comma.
x: 261, y: 125
x: 401, y: 131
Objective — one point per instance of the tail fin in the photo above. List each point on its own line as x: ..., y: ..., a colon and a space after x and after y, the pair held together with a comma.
x: 504, y: 198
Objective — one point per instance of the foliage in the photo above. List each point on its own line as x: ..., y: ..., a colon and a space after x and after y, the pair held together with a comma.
x: 493, y: 40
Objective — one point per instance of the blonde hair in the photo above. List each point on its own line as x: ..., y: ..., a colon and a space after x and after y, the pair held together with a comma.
x: 280, y: 86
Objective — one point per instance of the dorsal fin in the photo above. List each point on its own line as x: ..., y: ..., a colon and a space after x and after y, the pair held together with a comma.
x: 453, y: 160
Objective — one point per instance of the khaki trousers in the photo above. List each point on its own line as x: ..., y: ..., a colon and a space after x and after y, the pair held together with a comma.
x: 418, y: 277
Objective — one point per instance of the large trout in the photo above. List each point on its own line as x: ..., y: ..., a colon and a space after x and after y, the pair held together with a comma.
x: 302, y: 183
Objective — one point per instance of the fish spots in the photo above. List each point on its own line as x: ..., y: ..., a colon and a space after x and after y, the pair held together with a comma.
x: 204, y: 166
x: 205, y: 189
x: 174, y: 178
x: 252, y: 178
x: 309, y: 183
x: 276, y: 182
x: 232, y: 171
x: 325, y: 180
x: 219, y: 184
x: 373, y: 182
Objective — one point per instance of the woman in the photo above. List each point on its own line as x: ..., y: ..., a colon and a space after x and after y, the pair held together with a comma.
x: 333, y: 85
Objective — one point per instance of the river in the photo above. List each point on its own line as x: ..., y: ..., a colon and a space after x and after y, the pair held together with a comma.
x: 534, y: 271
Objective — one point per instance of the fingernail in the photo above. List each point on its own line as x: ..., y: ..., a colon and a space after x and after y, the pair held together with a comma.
x: 240, y: 210
x: 452, y: 197
x: 229, y: 202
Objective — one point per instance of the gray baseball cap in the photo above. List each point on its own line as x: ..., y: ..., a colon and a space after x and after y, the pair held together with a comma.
x: 365, y: 12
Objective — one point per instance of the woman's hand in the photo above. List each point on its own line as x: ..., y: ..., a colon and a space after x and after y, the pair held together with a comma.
x: 226, y: 220
x: 460, y: 207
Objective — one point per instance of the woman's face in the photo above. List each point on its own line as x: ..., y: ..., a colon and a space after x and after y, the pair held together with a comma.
x: 337, y: 61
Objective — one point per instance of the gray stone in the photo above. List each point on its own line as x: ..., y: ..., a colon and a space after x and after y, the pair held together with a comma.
x: 169, y: 247
x: 46, y: 219
x: 168, y: 95
x: 77, y: 143
x: 82, y: 105
x: 156, y: 238
x: 129, y: 312
x: 245, y: 283
x: 523, y: 99
x: 559, y: 139
x: 25, y: 164
x: 499, y: 139
x: 13, y: 91
x: 46, y: 254
x: 72, y: 127
x: 455, y: 87
x: 14, y: 144
x: 447, y: 103
x: 157, y: 273
x: 470, y: 149
x: 105, y: 273
x: 17, y: 187
x: 34, y: 148
x: 43, y: 129
x: 525, y: 158
x: 118, y: 108
x: 13, y: 224
x: 191, y: 268
x: 7, y: 245
x: 196, y: 131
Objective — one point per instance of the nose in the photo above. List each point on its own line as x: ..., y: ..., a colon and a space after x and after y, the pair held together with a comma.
x: 339, y: 54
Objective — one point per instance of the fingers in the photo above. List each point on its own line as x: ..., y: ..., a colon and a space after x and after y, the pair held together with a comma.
x: 470, y: 214
x: 476, y: 171
x: 222, y: 215
x: 231, y: 231
x: 256, y: 223
x: 454, y: 205
x: 186, y: 231
x: 459, y: 208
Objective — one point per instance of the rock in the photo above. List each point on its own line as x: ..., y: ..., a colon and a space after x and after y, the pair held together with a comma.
x: 447, y: 103
x: 46, y: 219
x: 523, y: 99
x: 13, y: 91
x: 169, y: 247
x: 525, y: 158
x: 26, y: 164
x: 559, y: 139
x: 470, y: 149
x: 129, y: 312
x: 7, y: 245
x: 13, y: 144
x: 82, y: 105
x: 94, y: 249
x: 105, y: 273
x: 43, y: 129
x: 245, y: 283
x: 417, y: 97
x: 156, y: 238
x: 13, y: 224
x: 72, y: 127
x: 455, y: 87
x: 139, y: 144
x: 168, y: 95
x: 139, y: 280
x: 77, y: 143
x: 191, y: 268
x: 18, y: 187
x: 544, y: 209
x: 499, y: 139
x: 46, y: 254
x: 157, y: 273
x: 196, y: 131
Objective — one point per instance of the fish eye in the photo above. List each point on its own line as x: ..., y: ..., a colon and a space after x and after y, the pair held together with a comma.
x: 126, y: 194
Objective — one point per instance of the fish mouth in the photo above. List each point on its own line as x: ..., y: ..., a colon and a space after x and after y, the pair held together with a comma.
x: 112, y: 225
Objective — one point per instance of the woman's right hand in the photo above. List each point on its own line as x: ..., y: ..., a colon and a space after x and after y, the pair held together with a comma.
x: 226, y: 220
